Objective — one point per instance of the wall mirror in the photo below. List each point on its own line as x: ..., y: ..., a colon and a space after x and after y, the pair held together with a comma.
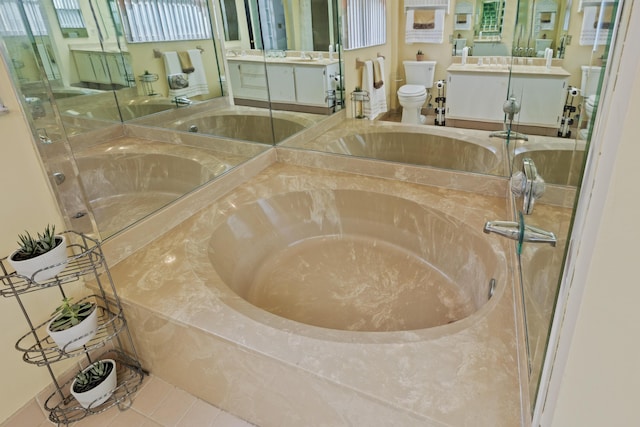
x: 79, y: 90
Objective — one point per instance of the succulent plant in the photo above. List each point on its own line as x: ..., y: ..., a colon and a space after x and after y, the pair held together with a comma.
x: 69, y: 314
x: 90, y: 378
x: 31, y: 247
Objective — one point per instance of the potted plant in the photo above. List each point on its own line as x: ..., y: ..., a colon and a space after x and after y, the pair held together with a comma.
x: 419, y: 55
x: 73, y: 324
x: 40, y: 258
x: 95, y: 384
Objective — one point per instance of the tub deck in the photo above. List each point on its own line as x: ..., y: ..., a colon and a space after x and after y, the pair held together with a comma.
x: 193, y: 331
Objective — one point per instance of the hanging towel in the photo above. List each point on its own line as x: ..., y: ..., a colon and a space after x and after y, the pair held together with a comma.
x: 197, y: 81
x: 377, y: 103
x: 424, y: 19
x: 425, y: 27
x: 377, y: 75
x: 381, y: 92
x: 185, y: 62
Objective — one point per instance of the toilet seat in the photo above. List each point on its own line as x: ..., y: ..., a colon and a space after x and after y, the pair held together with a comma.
x: 411, y: 91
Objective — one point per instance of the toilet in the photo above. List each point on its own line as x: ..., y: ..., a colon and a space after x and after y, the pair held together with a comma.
x: 588, y: 90
x: 412, y: 96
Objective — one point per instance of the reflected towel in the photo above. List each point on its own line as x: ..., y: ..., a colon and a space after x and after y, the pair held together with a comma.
x: 185, y: 62
x: 430, y: 34
x: 377, y: 75
x: 197, y: 80
x: 424, y: 19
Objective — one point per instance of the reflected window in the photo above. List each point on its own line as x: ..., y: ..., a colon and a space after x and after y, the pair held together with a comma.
x: 365, y: 23
x: 230, y: 20
x: 11, y: 22
x: 165, y: 20
x: 70, y: 18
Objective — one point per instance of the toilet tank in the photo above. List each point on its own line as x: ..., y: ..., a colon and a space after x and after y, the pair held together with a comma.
x: 419, y: 72
x: 590, y: 80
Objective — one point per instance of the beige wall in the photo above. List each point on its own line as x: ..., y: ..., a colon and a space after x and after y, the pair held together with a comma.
x: 601, y: 382
x: 27, y: 203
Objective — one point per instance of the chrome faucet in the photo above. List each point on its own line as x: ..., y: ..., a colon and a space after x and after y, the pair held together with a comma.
x: 513, y: 230
x: 511, y: 107
x: 529, y: 184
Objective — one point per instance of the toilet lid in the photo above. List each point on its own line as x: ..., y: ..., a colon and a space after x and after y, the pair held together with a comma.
x: 412, y: 90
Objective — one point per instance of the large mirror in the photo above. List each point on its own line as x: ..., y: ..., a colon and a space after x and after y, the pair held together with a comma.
x: 85, y: 68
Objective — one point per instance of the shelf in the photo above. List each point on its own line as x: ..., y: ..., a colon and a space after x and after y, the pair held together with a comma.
x: 64, y: 408
x: 39, y: 349
x: 87, y: 259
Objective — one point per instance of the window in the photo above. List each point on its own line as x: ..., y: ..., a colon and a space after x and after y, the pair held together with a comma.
x: 70, y: 18
x: 11, y: 22
x: 165, y: 20
x: 365, y: 23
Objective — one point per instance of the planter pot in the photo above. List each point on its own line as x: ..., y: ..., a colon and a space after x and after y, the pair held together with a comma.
x: 420, y: 57
x: 95, y: 397
x: 50, y: 263
x: 77, y: 335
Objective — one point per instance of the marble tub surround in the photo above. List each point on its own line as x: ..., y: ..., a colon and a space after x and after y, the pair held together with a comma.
x: 448, y: 148
x: 195, y: 332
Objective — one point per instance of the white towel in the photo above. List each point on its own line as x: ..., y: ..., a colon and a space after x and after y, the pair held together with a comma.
x: 589, y: 32
x: 431, y: 35
x: 197, y: 79
x: 377, y: 103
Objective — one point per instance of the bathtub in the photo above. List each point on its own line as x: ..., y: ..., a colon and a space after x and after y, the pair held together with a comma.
x: 446, y: 148
x: 558, y: 160
x: 313, y: 297
x: 248, y: 125
x: 126, y: 179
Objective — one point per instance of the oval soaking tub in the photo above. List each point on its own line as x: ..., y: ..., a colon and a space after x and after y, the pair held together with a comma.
x: 248, y: 126
x: 125, y: 182
x: 355, y: 252
x: 353, y: 260
x: 452, y: 149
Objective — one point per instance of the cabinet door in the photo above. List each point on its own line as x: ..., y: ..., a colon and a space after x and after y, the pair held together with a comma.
x: 100, y: 68
x: 248, y: 80
x: 476, y: 96
x: 84, y: 67
x: 281, y: 83
x: 541, y: 99
x: 311, y: 85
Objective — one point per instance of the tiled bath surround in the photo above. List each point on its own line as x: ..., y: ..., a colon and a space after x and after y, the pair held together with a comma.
x: 195, y: 333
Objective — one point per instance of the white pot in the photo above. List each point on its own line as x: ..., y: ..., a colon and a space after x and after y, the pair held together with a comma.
x: 99, y: 394
x: 77, y: 335
x: 51, y: 263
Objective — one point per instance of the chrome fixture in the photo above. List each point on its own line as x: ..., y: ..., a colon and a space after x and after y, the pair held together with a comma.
x: 527, y: 233
x: 193, y: 128
x: 492, y: 287
x: 511, y: 107
x: 59, y: 177
x: 181, y: 100
x: 529, y: 184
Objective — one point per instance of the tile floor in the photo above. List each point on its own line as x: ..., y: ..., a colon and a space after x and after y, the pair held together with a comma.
x: 158, y: 403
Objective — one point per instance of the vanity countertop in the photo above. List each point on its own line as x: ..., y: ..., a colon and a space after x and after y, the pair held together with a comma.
x: 555, y: 71
x: 287, y: 60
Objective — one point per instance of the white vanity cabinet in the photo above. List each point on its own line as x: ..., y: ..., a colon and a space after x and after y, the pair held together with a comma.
x: 282, y: 87
x: 248, y: 80
x: 477, y: 93
x: 313, y: 82
x: 293, y: 84
x: 105, y: 68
